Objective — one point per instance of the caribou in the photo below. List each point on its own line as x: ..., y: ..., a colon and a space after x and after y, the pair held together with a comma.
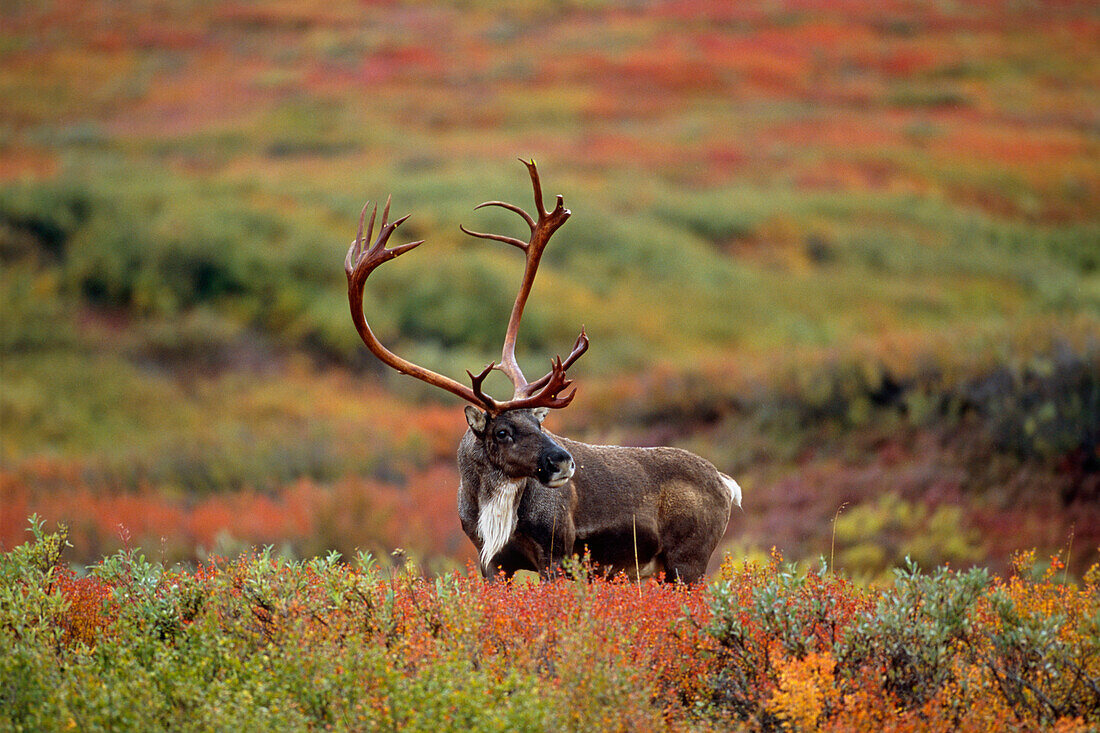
x: 529, y: 499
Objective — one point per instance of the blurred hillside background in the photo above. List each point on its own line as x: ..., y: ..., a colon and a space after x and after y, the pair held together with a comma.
x: 849, y: 251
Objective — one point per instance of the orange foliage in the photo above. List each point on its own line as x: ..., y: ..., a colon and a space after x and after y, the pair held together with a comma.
x: 353, y: 513
x: 756, y: 668
x: 805, y: 686
x: 86, y: 619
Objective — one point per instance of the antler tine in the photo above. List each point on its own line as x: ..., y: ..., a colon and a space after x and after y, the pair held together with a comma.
x: 356, y: 250
x: 501, y: 237
x: 498, y: 237
x: 511, y: 207
x: 549, y: 394
x: 477, y: 381
x: 537, y: 185
x: 356, y: 247
x: 579, y: 347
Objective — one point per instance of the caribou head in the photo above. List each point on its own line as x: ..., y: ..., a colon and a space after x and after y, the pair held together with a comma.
x: 516, y: 444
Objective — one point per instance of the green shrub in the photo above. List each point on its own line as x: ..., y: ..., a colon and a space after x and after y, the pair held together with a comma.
x: 916, y: 631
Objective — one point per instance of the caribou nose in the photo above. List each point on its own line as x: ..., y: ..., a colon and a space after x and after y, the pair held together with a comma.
x: 566, y: 467
x: 558, y: 466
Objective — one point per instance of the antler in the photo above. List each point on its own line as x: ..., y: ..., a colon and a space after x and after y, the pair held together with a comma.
x: 543, y: 391
x: 359, y: 264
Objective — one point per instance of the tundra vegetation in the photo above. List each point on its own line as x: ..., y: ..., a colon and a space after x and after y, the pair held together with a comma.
x: 855, y: 247
x: 261, y: 642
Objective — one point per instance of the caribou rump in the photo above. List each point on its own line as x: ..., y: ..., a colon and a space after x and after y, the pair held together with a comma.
x: 528, y: 499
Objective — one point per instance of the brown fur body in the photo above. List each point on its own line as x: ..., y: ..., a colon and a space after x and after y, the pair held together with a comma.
x: 669, y: 506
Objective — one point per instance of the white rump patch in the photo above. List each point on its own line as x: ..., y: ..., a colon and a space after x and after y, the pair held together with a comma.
x: 732, y: 487
x: 496, y: 520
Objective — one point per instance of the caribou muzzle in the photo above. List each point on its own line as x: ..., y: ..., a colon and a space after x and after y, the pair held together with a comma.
x: 555, y: 466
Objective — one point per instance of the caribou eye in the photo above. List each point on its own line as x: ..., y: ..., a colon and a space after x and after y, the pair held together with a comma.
x: 502, y: 434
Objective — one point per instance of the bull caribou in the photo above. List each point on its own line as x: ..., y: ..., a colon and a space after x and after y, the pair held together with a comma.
x: 527, y: 498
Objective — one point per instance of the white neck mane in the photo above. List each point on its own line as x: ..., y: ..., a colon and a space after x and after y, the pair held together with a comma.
x: 496, y: 519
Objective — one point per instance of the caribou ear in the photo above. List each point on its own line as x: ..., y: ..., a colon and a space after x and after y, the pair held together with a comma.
x: 476, y: 419
x: 540, y: 413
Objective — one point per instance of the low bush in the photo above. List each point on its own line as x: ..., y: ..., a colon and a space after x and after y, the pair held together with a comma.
x: 265, y: 642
